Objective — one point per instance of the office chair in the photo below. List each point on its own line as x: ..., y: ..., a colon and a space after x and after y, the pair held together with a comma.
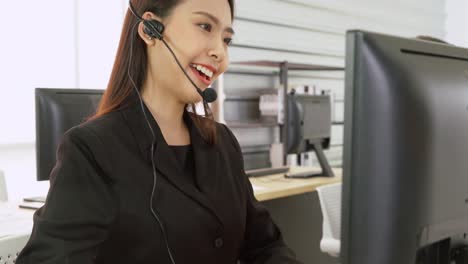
x: 330, y: 203
x: 10, y: 247
x: 3, y: 189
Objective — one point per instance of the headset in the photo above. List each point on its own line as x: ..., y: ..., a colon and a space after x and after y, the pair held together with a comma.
x: 155, y: 29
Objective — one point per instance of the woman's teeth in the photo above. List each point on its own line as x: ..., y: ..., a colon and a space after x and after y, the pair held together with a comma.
x: 203, y: 70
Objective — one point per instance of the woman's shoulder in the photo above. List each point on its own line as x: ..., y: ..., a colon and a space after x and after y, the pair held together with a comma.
x: 97, y: 128
x: 220, y: 128
x: 223, y: 129
x: 226, y: 136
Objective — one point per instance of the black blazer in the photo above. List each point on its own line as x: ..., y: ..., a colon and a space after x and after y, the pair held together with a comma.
x: 98, y: 205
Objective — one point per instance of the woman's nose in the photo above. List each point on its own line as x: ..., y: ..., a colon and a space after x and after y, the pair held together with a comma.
x: 217, y: 51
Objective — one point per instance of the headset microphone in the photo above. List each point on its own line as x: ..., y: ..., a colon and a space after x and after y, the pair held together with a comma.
x: 154, y: 29
x: 209, y: 95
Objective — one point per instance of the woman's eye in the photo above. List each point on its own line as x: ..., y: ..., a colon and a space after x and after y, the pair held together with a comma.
x: 206, y: 27
x: 228, y: 41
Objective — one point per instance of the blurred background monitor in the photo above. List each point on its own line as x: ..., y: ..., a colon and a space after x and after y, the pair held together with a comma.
x: 58, y: 110
x: 309, y: 122
x: 405, y: 178
x: 309, y: 128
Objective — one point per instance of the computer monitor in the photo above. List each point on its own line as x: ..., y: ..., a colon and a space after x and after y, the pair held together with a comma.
x: 309, y: 127
x: 405, y: 164
x: 58, y: 110
x: 309, y: 121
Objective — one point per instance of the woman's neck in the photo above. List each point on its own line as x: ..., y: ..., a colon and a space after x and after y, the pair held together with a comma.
x: 168, y: 113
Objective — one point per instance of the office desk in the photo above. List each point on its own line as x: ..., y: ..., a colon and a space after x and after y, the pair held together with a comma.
x: 277, y: 186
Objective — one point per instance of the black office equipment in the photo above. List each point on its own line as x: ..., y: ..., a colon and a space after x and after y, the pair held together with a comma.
x: 309, y: 128
x: 266, y: 171
x: 405, y: 177
x: 58, y: 110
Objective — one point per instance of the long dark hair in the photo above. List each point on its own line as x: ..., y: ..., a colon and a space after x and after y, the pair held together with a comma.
x: 120, y: 88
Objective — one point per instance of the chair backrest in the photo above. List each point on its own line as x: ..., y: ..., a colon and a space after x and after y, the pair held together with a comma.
x: 330, y: 203
x: 3, y: 188
x: 11, y: 246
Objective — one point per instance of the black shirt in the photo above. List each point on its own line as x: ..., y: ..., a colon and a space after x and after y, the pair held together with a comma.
x: 184, y: 155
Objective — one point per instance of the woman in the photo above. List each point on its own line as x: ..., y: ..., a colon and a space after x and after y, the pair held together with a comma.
x: 145, y: 181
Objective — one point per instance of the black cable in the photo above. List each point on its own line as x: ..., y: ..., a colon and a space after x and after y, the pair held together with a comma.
x: 155, y: 215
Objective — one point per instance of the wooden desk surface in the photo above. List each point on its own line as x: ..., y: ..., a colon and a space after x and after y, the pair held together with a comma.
x: 277, y: 186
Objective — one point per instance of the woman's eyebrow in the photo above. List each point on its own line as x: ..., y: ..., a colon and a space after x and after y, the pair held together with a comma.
x: 215, y: 20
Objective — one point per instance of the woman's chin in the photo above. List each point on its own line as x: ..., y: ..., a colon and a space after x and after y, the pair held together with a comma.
x: 193, y: 99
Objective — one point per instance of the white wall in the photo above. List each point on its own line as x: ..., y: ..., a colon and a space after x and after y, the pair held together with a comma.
x: 457, y: 22
x: 69, y: 44
x: 53, y: 44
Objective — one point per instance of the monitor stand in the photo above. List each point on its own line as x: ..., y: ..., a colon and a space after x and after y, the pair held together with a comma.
x: 326, y: 169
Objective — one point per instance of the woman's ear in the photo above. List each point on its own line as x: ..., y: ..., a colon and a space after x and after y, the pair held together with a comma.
x: 149, y: 40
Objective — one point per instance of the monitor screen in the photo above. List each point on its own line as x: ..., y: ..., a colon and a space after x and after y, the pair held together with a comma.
x: 58, y: 110
x: 405, y: 167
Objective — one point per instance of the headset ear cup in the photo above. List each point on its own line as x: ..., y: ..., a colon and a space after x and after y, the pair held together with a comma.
x: 148, y: 30
x: 153, y: 28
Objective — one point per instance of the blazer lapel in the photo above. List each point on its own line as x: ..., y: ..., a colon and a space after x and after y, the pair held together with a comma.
x: 205, y: 156
x: 204, y: 162
x: 207, y: 165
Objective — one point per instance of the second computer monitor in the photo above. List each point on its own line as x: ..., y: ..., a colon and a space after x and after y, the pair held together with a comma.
x: 309, y: 122
x: 58, y: 110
